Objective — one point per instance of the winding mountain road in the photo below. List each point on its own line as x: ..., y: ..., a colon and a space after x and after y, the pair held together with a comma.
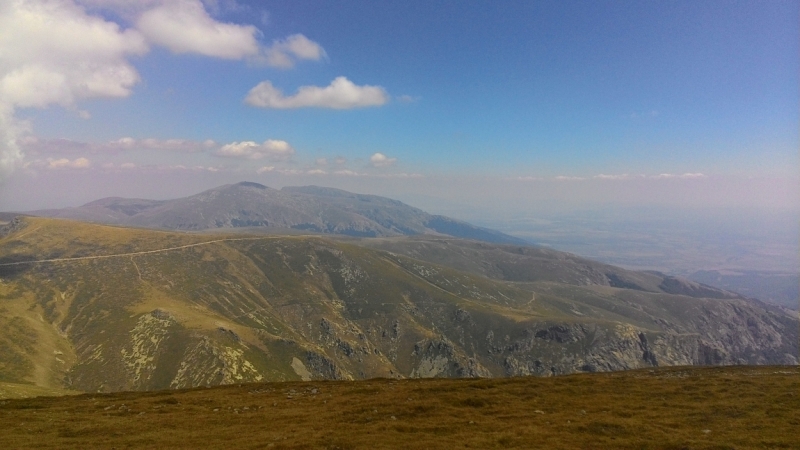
x: 146, y: 252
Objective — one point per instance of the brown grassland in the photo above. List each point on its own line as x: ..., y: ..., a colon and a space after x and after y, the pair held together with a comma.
x: 675, y: 408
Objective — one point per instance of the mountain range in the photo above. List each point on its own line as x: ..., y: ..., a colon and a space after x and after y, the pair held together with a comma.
x: 252, y: 205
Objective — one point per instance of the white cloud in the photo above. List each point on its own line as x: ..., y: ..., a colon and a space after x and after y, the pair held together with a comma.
x: 285, y: 53
x: 52, y: 52
x: 340, y: 94
x: 187, y: 26
x: 347, y: 172
x: 380, y: 160
x: 273, y: 149
x: 321, y: 161
x: 316, y: 172
x: 184, y: 26
x: 59, y: 52
x: 64, y: 163
x: 603, y: 176
x: 623, y: 176
x: 568, y: 178
x: 665, y: 176
x: 265, y: 169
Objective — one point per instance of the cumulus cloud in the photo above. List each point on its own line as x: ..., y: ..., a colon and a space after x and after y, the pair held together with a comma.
x: 623, y: 176
x: 184, y: 26
x: 52, y: 52
x: 285, y: 53
x: 340, y: 94
x: 64, y: 163
x: 59, y: 52
x: 347, y: 172
x: 273, y: 149
x: 380, y: 160
x: 665, y: 176
x: 187, y: 26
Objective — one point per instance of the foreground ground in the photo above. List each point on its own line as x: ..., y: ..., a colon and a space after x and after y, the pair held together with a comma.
x: 720, y: 407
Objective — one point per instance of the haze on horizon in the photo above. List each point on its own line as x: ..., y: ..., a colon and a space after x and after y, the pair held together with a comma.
x: 494, y: 110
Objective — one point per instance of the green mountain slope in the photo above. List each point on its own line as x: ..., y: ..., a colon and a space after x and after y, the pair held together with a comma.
x: 110, y: 308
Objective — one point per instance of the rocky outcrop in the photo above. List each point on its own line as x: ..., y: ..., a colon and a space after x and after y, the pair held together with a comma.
x: 13, y: 226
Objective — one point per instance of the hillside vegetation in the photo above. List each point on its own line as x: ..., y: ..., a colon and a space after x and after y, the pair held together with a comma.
x: 673, y: 408
x: 113, y: 309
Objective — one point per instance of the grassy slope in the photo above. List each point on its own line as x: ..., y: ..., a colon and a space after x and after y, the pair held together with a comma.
x: 18, y: 390
x: 686, y: 408
x: 279, y: 308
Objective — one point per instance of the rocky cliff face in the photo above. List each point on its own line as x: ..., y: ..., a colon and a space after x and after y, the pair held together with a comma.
x: 167, y: 310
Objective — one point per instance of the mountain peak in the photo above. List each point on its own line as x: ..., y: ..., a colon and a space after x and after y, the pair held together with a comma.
x: 251, y: 184
x: 309, y: 208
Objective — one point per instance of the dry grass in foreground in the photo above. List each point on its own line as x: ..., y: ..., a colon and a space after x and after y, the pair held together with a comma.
x: 719, y: 407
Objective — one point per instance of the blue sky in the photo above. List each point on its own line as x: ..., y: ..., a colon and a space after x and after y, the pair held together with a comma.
x: 579, y: 101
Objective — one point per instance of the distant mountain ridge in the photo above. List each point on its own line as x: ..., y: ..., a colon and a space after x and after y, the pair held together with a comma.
x: 309, y: 208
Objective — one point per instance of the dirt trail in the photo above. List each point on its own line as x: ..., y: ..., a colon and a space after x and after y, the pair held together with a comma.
x: 147, y: 252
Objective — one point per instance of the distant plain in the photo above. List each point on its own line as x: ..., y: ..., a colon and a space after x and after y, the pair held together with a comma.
x: 755, y: 253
